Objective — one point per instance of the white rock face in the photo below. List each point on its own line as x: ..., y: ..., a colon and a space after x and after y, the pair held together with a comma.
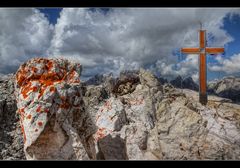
x: 125, y: 122
x: 188, y: 130
x: 161, y: 123
x: 53, y: 120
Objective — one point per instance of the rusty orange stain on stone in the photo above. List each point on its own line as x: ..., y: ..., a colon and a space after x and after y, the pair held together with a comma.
x: 24, y: 135
x: 50, y: 65
x: 38, y: 109
x: 62, y: 98
x: 40, y: 123
x: 21, y: 110
x: 45, y: 78
x: 52, y: 89
x: 100, y: 134
x: 136, y: 101
x: 76, y: 81
x: 29, y: 116
x: 46, y: 110
x: 34, y: 89
x: 34, y: 69
x: 108, y: 105
x: 26, y: 90
x: 65, y: 105
x: 72, y: 73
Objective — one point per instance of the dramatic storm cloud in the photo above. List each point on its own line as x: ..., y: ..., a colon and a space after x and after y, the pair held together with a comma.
x: 24, y: 33
x: 111, y: 41
x: 133, y: 38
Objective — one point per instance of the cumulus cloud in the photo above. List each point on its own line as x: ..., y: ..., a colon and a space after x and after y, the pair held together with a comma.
x: 228, y: 66
x: 110, y: 41
x: 132, y: 38
x: 188, y: 67
x: 24, y: 33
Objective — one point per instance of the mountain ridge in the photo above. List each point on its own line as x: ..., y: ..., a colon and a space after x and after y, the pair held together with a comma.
x: 151, y: 120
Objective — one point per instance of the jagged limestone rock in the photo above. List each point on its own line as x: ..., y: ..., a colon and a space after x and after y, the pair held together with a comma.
x: 124, y: 121
x: 163, y: 122
x: 144, y: 120
x: 54, y: 122
x: 189, y: 130
x: 11, y: 141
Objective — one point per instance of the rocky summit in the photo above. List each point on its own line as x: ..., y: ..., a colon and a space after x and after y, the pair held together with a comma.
x: 130, y: 117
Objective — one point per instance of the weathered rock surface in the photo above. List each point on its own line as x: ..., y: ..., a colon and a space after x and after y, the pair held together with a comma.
x: 186, y: 83
x: 228, y: 87
x: 136, y: 117
x: 188, y: 130
x: 11, y: 140
x: 162, y: 122
x: 52, y: 116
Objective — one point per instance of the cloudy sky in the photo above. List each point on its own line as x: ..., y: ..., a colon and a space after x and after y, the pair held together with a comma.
x: 115, y: 39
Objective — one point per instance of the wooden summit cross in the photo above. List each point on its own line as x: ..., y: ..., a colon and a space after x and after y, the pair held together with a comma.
x: 202, y: 51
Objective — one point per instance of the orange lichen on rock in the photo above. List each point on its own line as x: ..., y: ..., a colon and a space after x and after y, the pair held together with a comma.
x: 109, y: 118
x: 137, y: 101
x: 100, y: 134
x: 29, y: 116
x: 46, y: 110
x: 65, y: 105
x: 39, y: 83
x: 38, y: 109
x: 24, y: 135
x: 47, y: 77
x: 108, y: 105
x: 52, y: 89
x: 40, y: 123
x: 34, y: 69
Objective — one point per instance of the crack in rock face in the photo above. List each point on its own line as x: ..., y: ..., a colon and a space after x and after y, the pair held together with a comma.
x: 52, y: 116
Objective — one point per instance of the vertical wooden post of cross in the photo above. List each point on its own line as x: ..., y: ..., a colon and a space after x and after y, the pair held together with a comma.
x: 202, y: 69
x: 202, y: 51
